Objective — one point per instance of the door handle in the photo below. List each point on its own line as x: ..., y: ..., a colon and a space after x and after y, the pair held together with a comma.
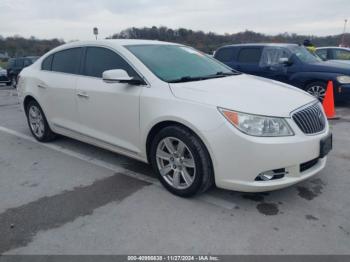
x: 83, y: 95
x: 42, y: 86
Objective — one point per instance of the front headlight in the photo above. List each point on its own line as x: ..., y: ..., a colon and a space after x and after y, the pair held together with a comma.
x: 343, y: 79
x: 256, y: 125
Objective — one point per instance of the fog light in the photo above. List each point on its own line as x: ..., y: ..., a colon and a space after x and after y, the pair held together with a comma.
x: 266, y: 176
x: 271, y: 175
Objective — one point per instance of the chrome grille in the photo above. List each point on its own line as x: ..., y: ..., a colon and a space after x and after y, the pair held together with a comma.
x: 311, y: 119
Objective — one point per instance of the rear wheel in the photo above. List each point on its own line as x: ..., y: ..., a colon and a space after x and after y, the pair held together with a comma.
x: 181, y: 161
x: 37, y: 123
x: 317, y: 89
x: 13, y: 82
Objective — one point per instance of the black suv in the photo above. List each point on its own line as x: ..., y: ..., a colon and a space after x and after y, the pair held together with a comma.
x: 289, y: 63
x: 15, y: 66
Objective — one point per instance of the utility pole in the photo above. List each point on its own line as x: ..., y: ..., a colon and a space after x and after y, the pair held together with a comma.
x: 344, y: 31
x: 95, y: 31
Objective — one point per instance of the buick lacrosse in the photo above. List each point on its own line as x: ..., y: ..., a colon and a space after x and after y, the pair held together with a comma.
x: 197, y: 122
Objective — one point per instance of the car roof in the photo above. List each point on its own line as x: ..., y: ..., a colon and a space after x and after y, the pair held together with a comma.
x: 23, y: 57
x: 261, y: 45
x: 115, y: 42
x: 332, y: 47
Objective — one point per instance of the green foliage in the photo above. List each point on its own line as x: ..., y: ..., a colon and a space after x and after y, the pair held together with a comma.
x: 208, y: 42
x: 3, y: 64
x: 18, y: 46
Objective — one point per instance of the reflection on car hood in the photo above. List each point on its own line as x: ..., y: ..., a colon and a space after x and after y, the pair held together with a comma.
x: 249, y: 94
x: 329, y: 67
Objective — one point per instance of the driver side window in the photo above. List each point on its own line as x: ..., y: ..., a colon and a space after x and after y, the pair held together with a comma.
x: 272, y: 56
x: 99, y: 59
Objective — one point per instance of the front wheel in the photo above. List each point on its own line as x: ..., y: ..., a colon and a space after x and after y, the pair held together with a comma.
x: 181, y: 161
x: 317, y: 89
x: 38, y: 124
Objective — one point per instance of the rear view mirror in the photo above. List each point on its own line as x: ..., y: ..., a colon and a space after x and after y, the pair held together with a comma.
x: 119, y: 76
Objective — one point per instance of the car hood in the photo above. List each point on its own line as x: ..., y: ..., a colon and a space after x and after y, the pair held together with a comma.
x: 329, y: 67
x: 244, y: 93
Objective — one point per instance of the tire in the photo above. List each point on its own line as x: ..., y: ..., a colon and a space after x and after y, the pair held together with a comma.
x: 317, y: 89
x: 13, y: 81
x: 191, y: 168
x: 37, y: 123
x: 8, y: 83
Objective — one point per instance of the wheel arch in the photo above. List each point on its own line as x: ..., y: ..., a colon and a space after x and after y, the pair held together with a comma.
x: 27, y: 99
x: 303, y: 79
x: 165, y: 123
x: 308, y: 82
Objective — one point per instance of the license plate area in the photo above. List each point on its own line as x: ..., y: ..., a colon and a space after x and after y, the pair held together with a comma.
x: 326, y: 145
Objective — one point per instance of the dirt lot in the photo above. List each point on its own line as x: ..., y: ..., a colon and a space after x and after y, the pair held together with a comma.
x: 67, y: 197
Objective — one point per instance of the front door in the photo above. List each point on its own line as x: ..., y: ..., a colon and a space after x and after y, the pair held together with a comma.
x: 108, y: 112
x: 274, y: 63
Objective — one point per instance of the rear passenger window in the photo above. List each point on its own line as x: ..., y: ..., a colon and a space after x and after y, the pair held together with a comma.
x: 67, y: 61
x: 100, y: 59
x: 249, y: 55
x: 11, y: 63
x: 19, y: 62
x: 340, y: 54
x: 47, y: 63
x: 224, y: 54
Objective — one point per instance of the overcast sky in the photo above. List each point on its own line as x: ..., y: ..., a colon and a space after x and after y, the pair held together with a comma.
x: 74, y: 19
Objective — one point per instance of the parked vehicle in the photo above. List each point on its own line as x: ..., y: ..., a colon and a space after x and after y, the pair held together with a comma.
x: 3, y: 77
x: 192, y: 118
x: 15, y: 66
x: 339, y: 54
x: 291, y: 64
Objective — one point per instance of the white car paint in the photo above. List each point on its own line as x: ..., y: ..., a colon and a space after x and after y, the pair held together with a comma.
x: 119, y: 117
x: 339, y: 48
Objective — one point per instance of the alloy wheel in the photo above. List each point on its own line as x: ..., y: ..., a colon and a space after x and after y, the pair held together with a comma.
x: 317, y: 91
x: 36, y: 121
x: 175, y: 163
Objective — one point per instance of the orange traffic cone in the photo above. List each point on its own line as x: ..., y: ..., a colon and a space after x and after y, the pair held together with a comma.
x: 328, y: 102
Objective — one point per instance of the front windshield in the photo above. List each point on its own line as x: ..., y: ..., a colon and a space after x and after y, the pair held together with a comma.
x: 304, y: 55
x: 173, y: 63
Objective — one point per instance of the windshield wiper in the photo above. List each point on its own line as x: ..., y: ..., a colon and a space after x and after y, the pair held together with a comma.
x: 200, y: 78
x: 232, y: 73
x: 186, y: 79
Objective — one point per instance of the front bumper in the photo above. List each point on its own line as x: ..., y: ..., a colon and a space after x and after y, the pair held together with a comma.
x: 342, y: 93
x: 238, y: 158
x: 4, y: 79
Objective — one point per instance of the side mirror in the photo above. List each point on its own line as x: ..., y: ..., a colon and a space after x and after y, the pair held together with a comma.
x: 285, y: 61
x: 119, y: 76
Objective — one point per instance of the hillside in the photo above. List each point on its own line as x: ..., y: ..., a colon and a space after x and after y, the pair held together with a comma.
x: 207, y: 42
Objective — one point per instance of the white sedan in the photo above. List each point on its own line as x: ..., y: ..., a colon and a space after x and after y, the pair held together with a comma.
x: 197, y: 122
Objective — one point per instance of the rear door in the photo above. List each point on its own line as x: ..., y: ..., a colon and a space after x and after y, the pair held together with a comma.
x: 108, y: 112
x: 248, y: 59
x: 57, y: 85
